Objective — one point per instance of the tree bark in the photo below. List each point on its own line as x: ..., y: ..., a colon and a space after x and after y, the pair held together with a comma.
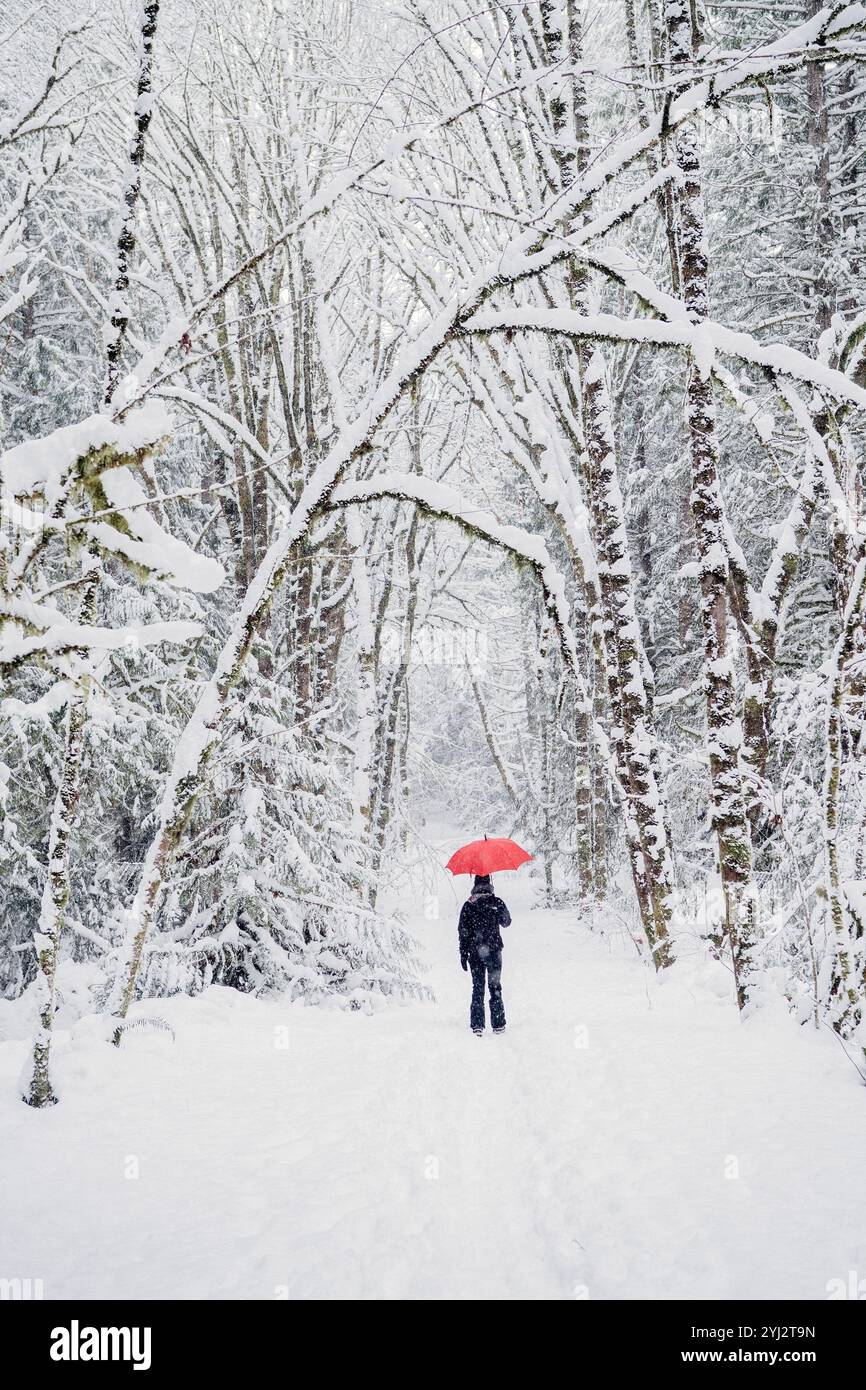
x: 55, y: 892
x: 724, y: 730
x: 120, y: 312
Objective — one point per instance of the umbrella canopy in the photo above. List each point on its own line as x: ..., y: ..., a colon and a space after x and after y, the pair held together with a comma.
x: 487, y: 857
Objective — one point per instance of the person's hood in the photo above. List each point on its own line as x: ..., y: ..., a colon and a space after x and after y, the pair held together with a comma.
x: 481, y: 888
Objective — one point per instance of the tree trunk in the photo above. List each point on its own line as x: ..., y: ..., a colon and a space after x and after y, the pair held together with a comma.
x: 120, y: 312
x: 651, y: 864
x: 849, y: 984
x: 724, y: 730
x: 55, y: 893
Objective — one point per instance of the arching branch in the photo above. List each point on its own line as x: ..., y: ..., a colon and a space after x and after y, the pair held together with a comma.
x: 445, y: 503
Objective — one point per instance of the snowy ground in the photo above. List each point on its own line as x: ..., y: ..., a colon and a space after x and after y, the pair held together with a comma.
x: 623, y: 1139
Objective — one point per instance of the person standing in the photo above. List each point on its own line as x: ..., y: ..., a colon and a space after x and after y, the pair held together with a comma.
x: 481, y: 917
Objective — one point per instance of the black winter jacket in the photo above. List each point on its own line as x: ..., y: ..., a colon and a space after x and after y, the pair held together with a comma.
x: 480, y: 919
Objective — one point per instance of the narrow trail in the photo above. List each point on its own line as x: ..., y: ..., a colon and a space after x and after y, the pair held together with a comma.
x: 624, y: 1138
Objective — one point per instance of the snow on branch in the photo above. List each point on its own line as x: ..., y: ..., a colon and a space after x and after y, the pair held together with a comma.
x: 69, y: 637
x: 98, y: 451
x: 39, y: 467
x: 702, y: 339
x: 810, y: 41
x: 12, y: 257
x: 134, y: 535
x: 439, y: 500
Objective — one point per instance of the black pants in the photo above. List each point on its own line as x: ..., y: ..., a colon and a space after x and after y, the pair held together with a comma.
x: 484, y: 960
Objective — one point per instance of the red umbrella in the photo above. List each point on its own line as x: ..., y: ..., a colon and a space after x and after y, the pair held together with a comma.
x: 487, y: 857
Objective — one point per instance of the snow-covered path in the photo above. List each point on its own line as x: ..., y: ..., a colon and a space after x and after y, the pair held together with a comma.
x: 623, y: 1139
